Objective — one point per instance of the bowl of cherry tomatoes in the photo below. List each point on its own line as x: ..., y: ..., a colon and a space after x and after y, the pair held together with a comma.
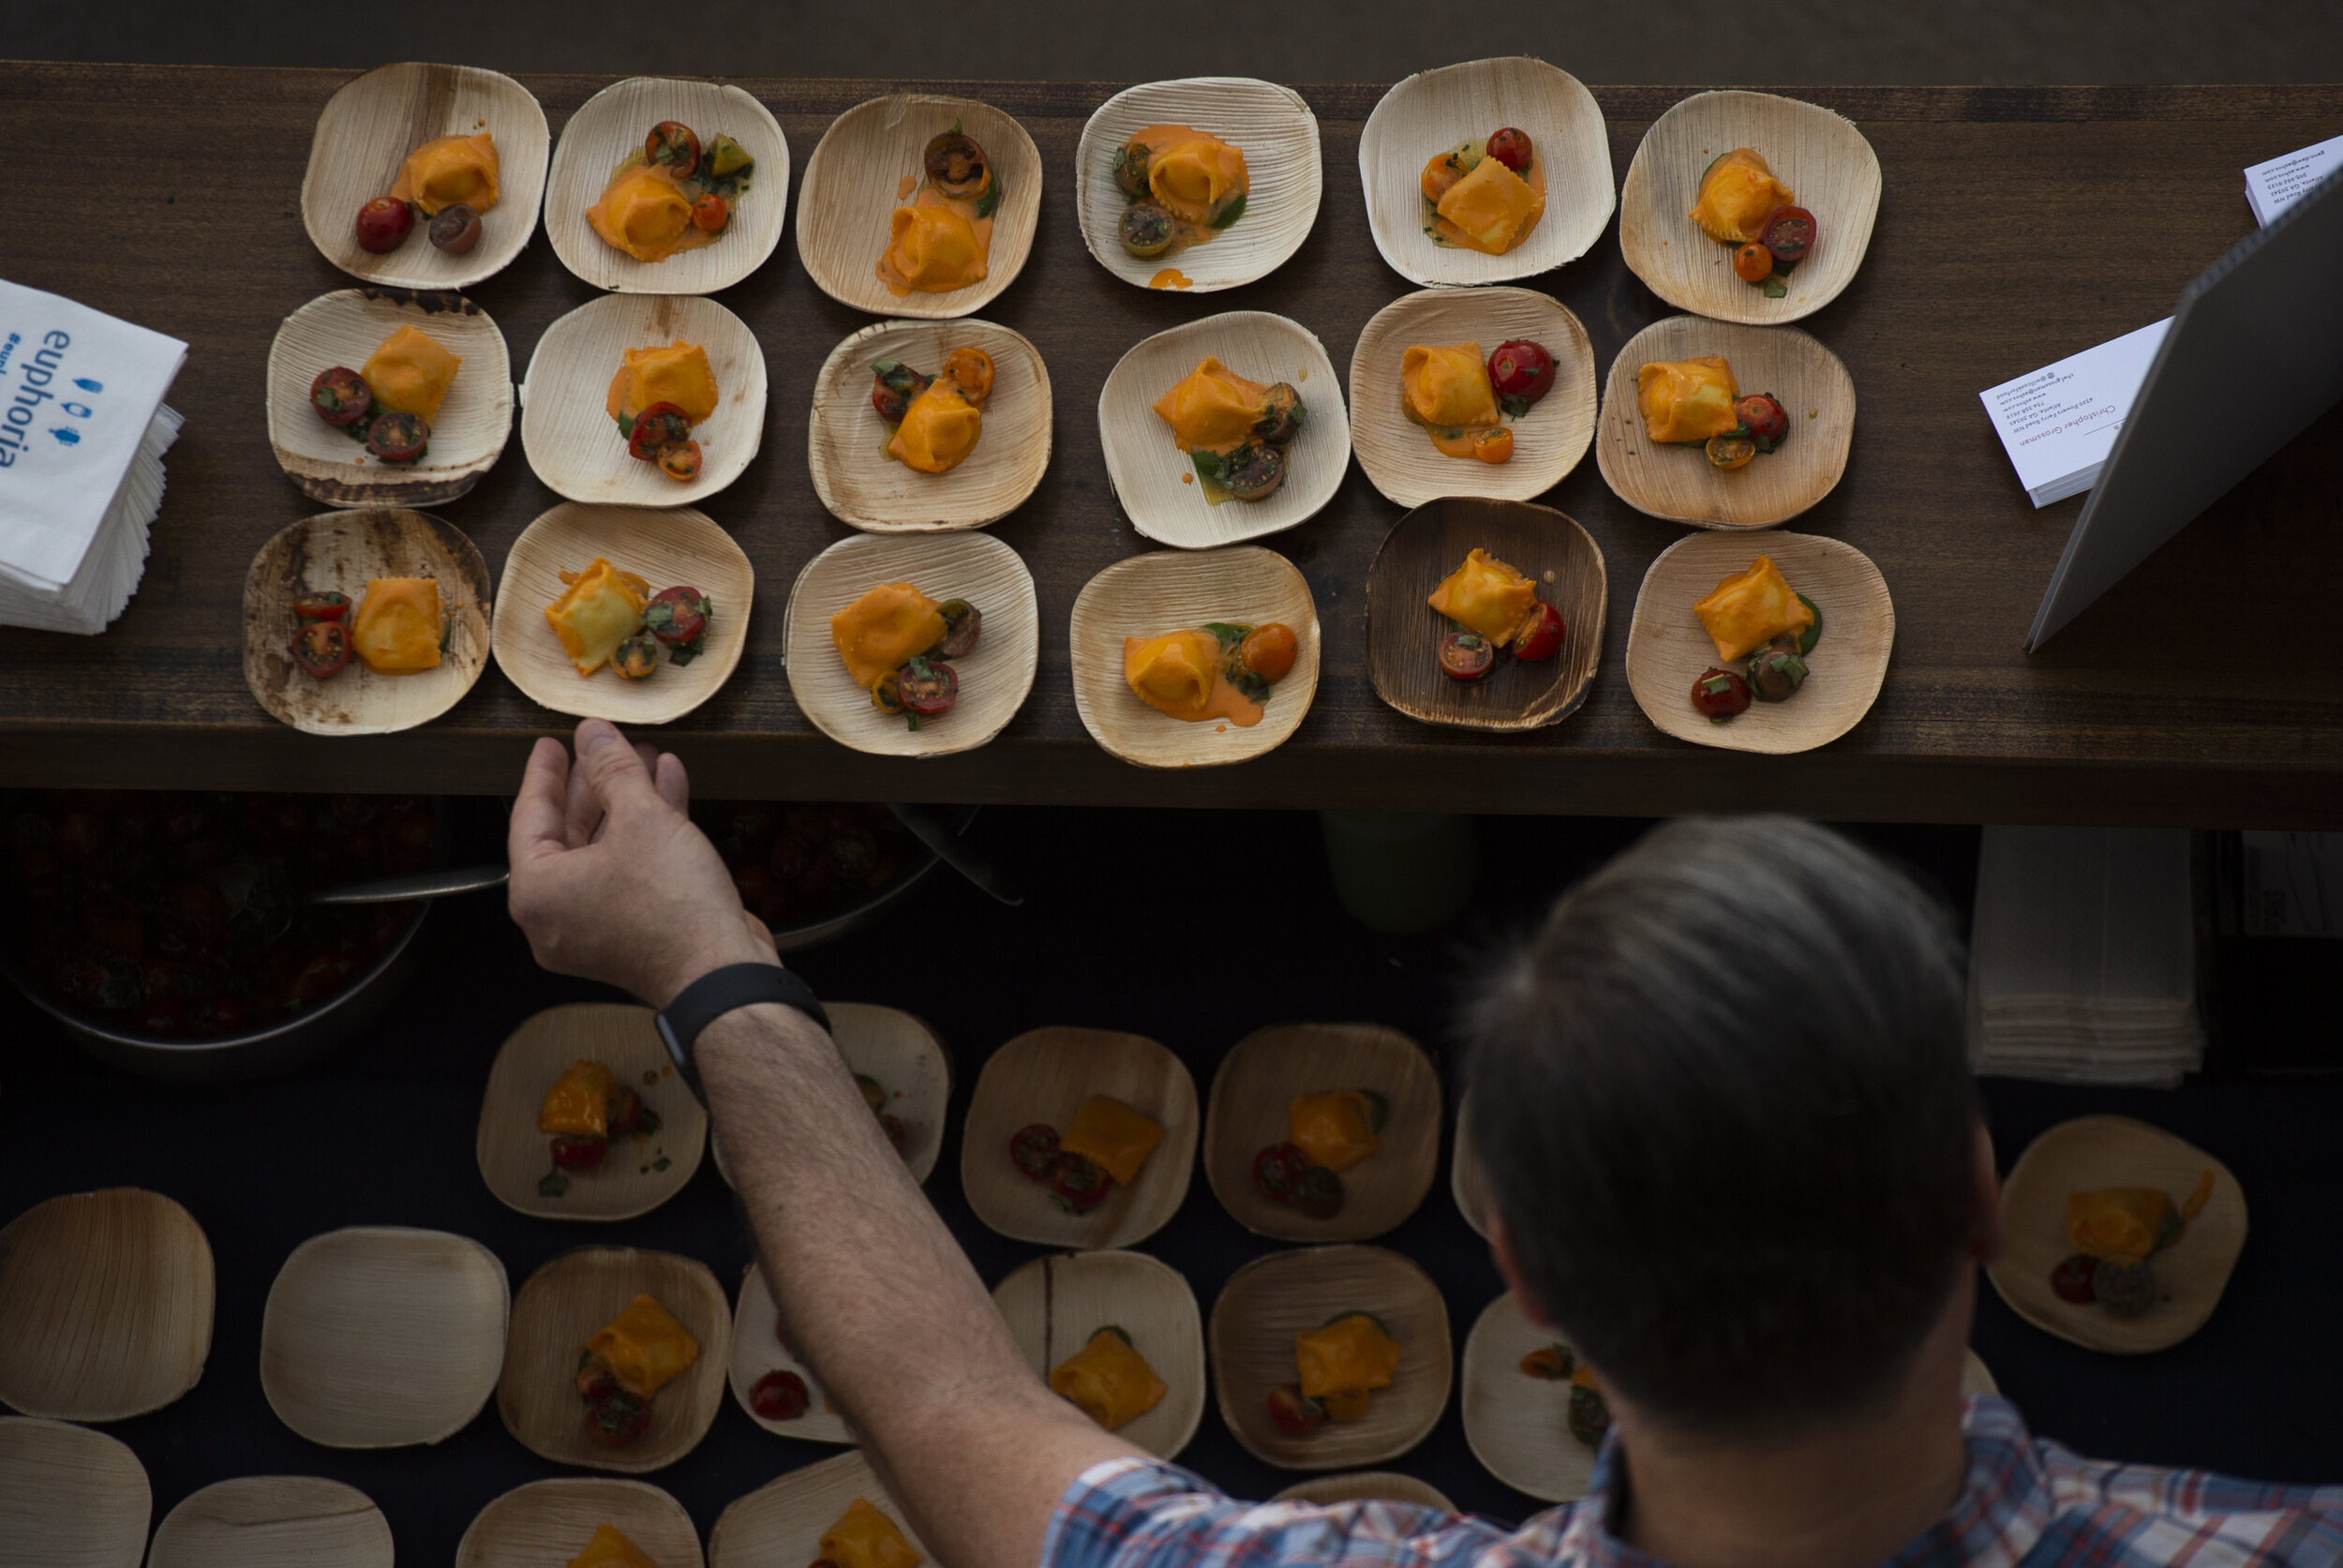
x: 169, y: 932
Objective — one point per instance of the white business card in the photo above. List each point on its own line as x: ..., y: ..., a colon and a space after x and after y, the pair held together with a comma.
x: 2272, y: 188
x: 2059, y: 423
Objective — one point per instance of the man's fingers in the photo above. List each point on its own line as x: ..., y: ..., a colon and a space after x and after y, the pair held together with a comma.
x: 619, y: 778
x: 581, y: 811
x: 674, y: 785
x: 537, y: 827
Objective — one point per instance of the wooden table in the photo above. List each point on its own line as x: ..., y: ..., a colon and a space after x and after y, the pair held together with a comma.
x: 2019, y: 225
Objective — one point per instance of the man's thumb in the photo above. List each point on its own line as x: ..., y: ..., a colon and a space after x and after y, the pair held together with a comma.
x: 613, y: 770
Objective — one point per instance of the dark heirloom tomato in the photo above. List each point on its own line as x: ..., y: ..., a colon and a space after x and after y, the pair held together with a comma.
x: 676, y: 616
x: 1077, y: 1184
x: 579, y: 1152
x: 1145, y: 228
x: 963, y: 624
x: 681, y: 460
x: 1522, y: 370
x: 1132, y: 160
x: 1255, y: 470
x: 1789, y: 234
x: 926, y: 687
x: 2072, y: 1281
x: 1282, y: 412
x: 1541, y: 636
x: 340, y: 396
x: 617, y: 1419
x: 1034, y: 1151
x: 1512, y: 147
x: 1466, y: 655
x: 637, y: 658
x: 1295, y: 1411
x: 957, y: 166
x: 1763, y: 412
x: 675, y: 144
x: 1318, y: 1193
x: 893, y: 385
x: 382, y: 224
x: 1720, y: 694
x: 1276, y: 1168
x: 780, y: 1396
x: 710, y: 213
x: 624, y: 1112
x: 321, y: 648
x: 660, y: 426
x: 454, y: 229
x: 399, y: 437
x: 322, y: 605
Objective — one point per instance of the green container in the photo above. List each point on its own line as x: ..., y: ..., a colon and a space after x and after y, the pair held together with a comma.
x: 1402, y: 872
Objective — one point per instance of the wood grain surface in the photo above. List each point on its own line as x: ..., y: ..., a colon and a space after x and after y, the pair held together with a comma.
x: 2118, y: 720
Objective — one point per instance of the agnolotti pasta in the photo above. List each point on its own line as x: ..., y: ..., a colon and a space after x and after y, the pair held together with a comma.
x: 601, y: 607
x: 611, y: 1548
x: 1687, y: 400
x: 885, y: 628
x: 450, y: 170
x: 645, y: 213
x: 411, y: 373
x: 1336, y: 1129
x: 935, y: 249
x: 1108, y: 1380
x: 938, y: 430
x: 1737, y: 193
x: 1751, y: 608
x: 578, y: 1103
x: 1211, y: 409
x: 1448, y: 387
x: 1492, y: 209
x: 863, y: 1537
x: 1112, y: 1135
x: 1196, y: 176
x: 1486, y: 596
x: 679, y: 374
x: 1350, y: 1355
x: 644, y: 1348
x: 400, y: 625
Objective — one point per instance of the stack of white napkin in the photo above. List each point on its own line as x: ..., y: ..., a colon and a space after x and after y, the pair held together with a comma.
x: 82, y: 434
x: 2083, y: 959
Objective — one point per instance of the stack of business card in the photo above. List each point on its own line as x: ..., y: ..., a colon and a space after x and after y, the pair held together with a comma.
x: 2272, y: 188
x: 82, y: 434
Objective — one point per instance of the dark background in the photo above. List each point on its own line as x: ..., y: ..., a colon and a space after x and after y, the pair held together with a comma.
x: 383, y: 1135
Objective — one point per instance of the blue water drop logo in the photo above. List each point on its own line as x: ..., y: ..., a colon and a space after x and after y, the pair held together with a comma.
x: 67, y: 435
x: 88, y: 385
x: 78, y: 410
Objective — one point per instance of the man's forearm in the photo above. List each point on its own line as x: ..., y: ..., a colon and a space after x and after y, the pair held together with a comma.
x: 881, y: 1300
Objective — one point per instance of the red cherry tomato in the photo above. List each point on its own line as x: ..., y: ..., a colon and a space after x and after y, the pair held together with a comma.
x: 382, y: 224
x: 1466, y: 655
x: 340, y: 396
x: 2075, y: 1280
x: 1034, y: 1151
x: 625, y: 1114
x: 780, y: 1396
x: 1077, y: 1184
x: 1720, y: 694
x: 676, y: 616
x: 710, y: 214
x: 580, y: 1152
x: 1541, y: 636
x: 617, y: 1419
x: 1521, y: 369
x: 662, y: 424
x: 1295, y: 1411
x: 681, y: 460
x: 324, y: 605
x: 926, y: 687
x: 399, y: 437
x: 1789, y: 234
x: 675, y: 144
x: 1512, y: 148
x: 321, y: 648
x: 1276, y: 1168
x: 1763, y: 415
x: 1318, y: 1194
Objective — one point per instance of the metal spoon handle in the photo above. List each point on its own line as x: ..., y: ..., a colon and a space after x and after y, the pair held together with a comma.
x: 428, y: 884
x: 934, y: 831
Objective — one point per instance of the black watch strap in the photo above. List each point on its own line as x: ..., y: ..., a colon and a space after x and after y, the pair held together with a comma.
x: 720, y: 992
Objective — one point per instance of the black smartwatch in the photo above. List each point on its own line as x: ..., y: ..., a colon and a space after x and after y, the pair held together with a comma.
x: 720, y: 992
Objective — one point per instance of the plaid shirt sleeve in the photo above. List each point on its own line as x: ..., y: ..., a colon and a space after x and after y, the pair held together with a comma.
x: 1137, y: 1513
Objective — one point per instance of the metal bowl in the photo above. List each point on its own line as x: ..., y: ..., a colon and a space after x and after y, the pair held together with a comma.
x: 794, y: 939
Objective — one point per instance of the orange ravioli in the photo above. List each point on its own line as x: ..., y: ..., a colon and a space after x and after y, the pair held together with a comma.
x: 1492, y: 209
x: 411, y: 373
x: 398, y: 626
x: 1181, y: 673
x: 1737, y: 193
x: 679, y: 374
x: 1211, y: 409
x: 1688, y: 399
x: 450, y: 170
x: 601, y: 609
x: 1113, y: 1136
x: 1751, y: 608
x: 1486, y: 596
x: 645, y: 1348
x: 881, y: 631
x: 645, y: 213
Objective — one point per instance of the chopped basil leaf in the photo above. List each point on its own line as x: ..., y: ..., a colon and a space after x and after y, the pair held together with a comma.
x: 1231, y: 212
x: 1228, y: 635
x: 683, y: 653
x: 1776, y: 288
x: 1211, y: 466
x: 990, y: 199
x: 553, y: 1184
x: 1515, y: 405
x: 886, y: 366
x: 661, y: 1163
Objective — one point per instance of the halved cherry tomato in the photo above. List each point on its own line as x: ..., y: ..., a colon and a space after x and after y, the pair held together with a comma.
x: 676, y: 616
x: 964, y: 624
x: 1077, y: 1184
x: 893, y: 385
x: 780, y: 1396
x: 1541, y: 635
x: 1295, y: 1411
x: 617, y: 1419
x: 1269, y: 651
x: 2076, y: 1279
x: 593, y: 1380
x: 1763, y: 412
x: 662, y: 424
x: 321, y: 648
x: 675, y: 144
x: 1034, y: 1151
x: 1720, y: 694
x: 1318, y: 1193
x: 1276, y: 1168
x: 324, y: 605
x: 340, y: 396
x: 710, y: 214
x: 383, y: 223
x: 1511, y: 147
x: 1753, y: 263
x: 1731, y: 452
x: 927, y: 687
x: 578, y: 1151
x: 454, y: 229
x: 681, y: 460
x: 399, y: 437
x: 884, y: 697
x: 1494, y: 446
x: 624, y: 1114
x: 1553, y: 1363
x: 1466, y: 655
x: 1789, y: 234
x: 1523, y: 369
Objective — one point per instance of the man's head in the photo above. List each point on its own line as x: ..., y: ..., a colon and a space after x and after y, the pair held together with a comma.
x: 1724, y: 1105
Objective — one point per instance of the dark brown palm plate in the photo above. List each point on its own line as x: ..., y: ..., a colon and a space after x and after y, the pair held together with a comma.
x: 1404, y: 633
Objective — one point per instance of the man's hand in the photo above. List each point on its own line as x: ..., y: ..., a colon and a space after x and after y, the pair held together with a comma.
x: 610, y: 879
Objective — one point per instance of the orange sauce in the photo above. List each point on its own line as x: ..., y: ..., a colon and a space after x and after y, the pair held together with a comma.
x: 903, y: 186
x: 1188, y: 476
x: 1454, y: 442
x: 1184, y: 233
x: 1171, y: 277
